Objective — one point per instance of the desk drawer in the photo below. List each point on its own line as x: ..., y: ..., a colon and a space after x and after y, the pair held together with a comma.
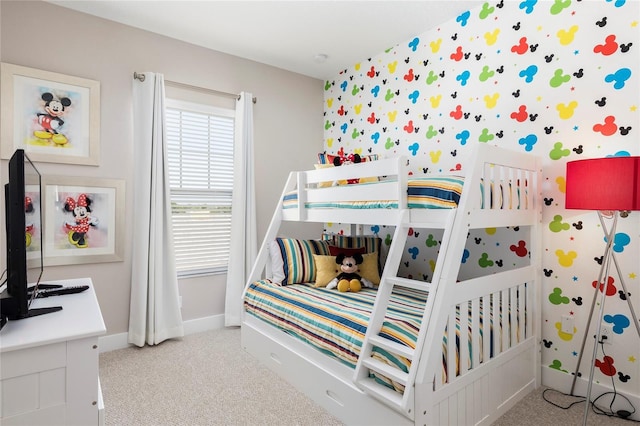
x: 26, y: 361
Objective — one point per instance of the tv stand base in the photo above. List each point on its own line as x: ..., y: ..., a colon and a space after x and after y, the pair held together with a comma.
x: 8, y: 312
x: 41, y: 311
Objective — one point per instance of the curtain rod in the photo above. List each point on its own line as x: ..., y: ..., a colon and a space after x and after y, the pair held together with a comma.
x: 141, y: 77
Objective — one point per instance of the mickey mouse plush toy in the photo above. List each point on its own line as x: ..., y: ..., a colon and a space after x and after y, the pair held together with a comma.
x: 349, y: 279
x: 50, y: 120
x: 342, y: 159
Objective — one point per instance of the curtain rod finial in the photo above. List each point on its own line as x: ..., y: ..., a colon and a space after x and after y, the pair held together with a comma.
x: 137, y: 76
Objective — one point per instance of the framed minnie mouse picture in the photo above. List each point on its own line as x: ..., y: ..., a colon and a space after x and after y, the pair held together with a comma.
x: 54, y: 117
x: 83, y: 220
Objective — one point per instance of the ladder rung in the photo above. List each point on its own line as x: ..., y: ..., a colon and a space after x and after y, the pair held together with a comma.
x: 406, y: 282
x: 372, y: 387
x: 391, y: 346
x: 387, y: 370
x: 428, y: 225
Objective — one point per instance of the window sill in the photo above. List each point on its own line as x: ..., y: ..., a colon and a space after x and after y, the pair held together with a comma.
x: 198, y: 274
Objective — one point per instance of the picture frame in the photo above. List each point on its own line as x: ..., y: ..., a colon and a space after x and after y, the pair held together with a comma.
x: 54, y: 117
x: 83, y: 220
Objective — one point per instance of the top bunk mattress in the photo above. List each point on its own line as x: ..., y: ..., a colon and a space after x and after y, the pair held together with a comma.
x: 441, y: 192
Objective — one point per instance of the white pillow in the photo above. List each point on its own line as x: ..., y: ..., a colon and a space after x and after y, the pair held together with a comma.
x: 277, y: 264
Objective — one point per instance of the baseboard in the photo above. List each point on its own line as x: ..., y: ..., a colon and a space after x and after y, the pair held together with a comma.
x: 561, y: 381
x: 120, y: 340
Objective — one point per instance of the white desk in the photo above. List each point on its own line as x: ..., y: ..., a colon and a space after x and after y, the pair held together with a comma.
x: 49, y: 363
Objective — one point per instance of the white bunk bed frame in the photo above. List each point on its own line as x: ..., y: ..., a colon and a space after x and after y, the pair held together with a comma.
x: 496, y: 372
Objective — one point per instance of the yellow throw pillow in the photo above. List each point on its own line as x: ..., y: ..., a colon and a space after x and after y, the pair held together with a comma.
x: 327, y: 268
x: 327, y: 183
x: 369, y: 267
x: 368, y: 179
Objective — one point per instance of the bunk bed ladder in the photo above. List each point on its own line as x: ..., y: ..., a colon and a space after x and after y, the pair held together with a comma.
x: 401, y: 401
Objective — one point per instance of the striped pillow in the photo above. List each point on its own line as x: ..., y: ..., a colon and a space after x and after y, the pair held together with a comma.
x: 435, y: 192
x: 496, y: 198
x: 297, y: 259
x: 371, y: 243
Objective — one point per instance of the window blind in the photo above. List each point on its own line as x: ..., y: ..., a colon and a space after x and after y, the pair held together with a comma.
x: 200, y: 159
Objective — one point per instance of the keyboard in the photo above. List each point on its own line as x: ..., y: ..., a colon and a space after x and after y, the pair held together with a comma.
x: 48, y: 292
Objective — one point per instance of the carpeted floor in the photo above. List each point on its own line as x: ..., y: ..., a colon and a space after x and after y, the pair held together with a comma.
x: 203, y: 379
x: 207, y: 379
x: 533, y: 410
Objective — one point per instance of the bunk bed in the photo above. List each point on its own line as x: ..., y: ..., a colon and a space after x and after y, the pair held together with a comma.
x: 447, y: 351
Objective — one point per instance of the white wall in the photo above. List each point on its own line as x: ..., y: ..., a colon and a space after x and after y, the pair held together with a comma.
x: 288, y: 122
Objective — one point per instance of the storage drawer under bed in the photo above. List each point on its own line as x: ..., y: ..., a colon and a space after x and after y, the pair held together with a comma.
x: 321, y: 378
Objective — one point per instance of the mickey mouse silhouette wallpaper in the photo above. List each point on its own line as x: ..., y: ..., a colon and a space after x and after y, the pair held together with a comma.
x: 557, y: 79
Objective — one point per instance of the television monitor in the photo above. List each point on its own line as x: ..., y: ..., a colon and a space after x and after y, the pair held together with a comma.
x: 24, y: 240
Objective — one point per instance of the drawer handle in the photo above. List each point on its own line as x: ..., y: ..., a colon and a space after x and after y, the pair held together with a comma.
x: 275, y: 358
x: 333, y: 396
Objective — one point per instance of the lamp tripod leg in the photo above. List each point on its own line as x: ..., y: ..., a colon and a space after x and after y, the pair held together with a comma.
x: 586, y: 333
x: 626, y: 294
x: 584, y: 338
x: 597, y: 339
x: 601, y: 275
x: 606, y: 263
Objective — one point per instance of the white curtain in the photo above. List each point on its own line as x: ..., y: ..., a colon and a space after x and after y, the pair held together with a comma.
x: 154, y: 314
x: 243, y: 212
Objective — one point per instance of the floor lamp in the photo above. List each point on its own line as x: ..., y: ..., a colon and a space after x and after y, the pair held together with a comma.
x: 607, y: 185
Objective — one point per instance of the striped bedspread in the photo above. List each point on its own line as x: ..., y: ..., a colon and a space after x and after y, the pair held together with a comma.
x: 334, y: 322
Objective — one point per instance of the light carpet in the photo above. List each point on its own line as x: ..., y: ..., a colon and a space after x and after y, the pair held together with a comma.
x: 208, y: 379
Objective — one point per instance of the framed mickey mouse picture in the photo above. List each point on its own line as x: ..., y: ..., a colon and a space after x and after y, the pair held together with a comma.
x: 54, y: 117
x: 83, y: 220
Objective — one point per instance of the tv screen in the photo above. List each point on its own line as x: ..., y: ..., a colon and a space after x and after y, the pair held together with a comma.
x: 33, y: 223
x: 23, y: 226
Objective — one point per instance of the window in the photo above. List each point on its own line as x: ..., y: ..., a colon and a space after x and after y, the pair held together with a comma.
x: 200, y: 156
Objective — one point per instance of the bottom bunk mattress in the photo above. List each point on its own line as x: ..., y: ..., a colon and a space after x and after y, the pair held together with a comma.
x: 335, y: 323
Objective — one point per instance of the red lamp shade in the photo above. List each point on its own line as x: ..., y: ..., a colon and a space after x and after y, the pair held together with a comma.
x: 611, y: 183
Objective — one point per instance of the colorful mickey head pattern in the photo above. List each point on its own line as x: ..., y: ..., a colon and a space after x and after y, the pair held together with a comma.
x: 555, y: 78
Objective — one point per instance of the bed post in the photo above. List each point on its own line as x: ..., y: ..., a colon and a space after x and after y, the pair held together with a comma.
x: 301, y: 183
x: 272, y: 232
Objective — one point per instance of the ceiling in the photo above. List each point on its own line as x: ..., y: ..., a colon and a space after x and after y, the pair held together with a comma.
x: 285, y: 34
